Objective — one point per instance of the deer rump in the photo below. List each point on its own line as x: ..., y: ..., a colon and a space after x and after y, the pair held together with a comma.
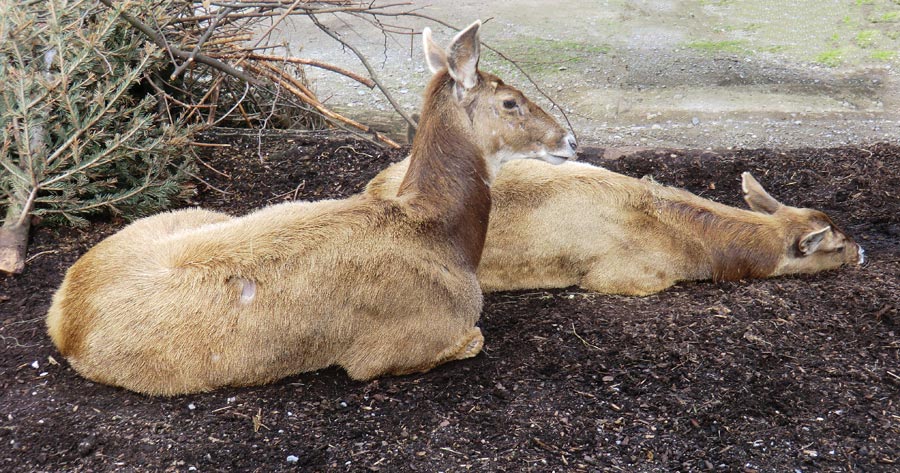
x: 579, y: 224
x: 205, y: 300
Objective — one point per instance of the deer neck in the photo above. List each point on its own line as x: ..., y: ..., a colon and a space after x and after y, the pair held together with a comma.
x: 736, y: 243
x: 448, y: 180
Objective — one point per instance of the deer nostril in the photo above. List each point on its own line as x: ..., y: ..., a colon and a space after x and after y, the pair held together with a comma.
x: 572, y: 142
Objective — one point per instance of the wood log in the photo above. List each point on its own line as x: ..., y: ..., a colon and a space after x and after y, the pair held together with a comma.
x: 13, y: 245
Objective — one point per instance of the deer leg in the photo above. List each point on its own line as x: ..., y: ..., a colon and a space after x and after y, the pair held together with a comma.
x: 467, y: 347
x: 414, y: 352
x: 607, y: 280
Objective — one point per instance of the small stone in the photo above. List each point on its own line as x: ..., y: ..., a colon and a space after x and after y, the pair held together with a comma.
x: 35, y: 365
x: 695, y: 121
x: 292, y: 459
x: 86, y: 446
x: 191, y: 406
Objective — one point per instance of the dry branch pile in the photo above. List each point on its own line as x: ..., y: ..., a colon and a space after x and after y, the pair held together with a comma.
x: 223, y: 70
x: 100, y: 97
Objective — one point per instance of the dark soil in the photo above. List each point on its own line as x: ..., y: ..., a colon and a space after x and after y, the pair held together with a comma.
x: 787, y: 374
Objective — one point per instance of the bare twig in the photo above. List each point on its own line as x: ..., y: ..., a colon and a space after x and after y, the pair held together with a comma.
x: 207, y: 184
x: 306, y: 62
x: 586, y: 343
x: 38, y: 255
x: 321, y: 108
x: 158, y: 39
x: 206, y: 34
x: 369, y: 68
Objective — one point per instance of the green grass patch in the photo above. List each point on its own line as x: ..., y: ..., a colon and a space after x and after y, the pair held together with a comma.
x: 886, y: 56
x: 889, y: 17
x: 544, y: 55
x: 733, y: 47
x: 831, y: 58
x: 866, y: 38
x: 775, y: 48
x: 747, y: 27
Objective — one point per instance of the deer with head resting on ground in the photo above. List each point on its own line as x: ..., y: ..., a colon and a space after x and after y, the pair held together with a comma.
x: 193, y: 300
x: 578, y: 224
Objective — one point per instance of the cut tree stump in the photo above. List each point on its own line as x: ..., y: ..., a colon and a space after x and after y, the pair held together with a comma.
x: 13, y: 244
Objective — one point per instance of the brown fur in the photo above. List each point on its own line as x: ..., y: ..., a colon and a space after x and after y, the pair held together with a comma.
x: 577, y: 224
x: 192, y: 300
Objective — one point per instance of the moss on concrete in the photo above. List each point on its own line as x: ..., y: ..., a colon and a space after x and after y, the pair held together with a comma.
x: 731, y: 46
x: 544, y: 55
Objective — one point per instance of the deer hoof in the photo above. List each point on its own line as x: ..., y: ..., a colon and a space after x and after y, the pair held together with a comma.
x: 473, y: 346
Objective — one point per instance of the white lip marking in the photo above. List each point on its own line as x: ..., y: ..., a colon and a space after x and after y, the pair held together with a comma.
x: 553, y: 159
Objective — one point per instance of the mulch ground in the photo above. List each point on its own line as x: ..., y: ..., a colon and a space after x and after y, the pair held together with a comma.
x: 787, y: 374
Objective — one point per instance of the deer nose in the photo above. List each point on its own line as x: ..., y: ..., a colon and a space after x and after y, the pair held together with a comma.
x: 571, y: 141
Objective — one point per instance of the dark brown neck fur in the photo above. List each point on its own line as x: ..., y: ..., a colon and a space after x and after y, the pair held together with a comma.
x: 447, y: 179
x: 738, y: 243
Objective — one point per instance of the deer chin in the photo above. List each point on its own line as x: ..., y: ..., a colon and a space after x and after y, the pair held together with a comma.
x: 557, y: 156
x: 553, y: 159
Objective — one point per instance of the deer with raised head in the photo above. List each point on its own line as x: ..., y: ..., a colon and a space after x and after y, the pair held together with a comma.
x: 578, y: 224
x: 193, y: 300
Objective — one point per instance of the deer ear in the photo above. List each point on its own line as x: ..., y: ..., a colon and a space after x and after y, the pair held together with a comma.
x: 756, y: 197
x: 811, y: 241
x: 462, y: 56
x: 435, y: 57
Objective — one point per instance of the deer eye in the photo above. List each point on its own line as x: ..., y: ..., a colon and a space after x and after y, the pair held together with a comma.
x: 509, y: 104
